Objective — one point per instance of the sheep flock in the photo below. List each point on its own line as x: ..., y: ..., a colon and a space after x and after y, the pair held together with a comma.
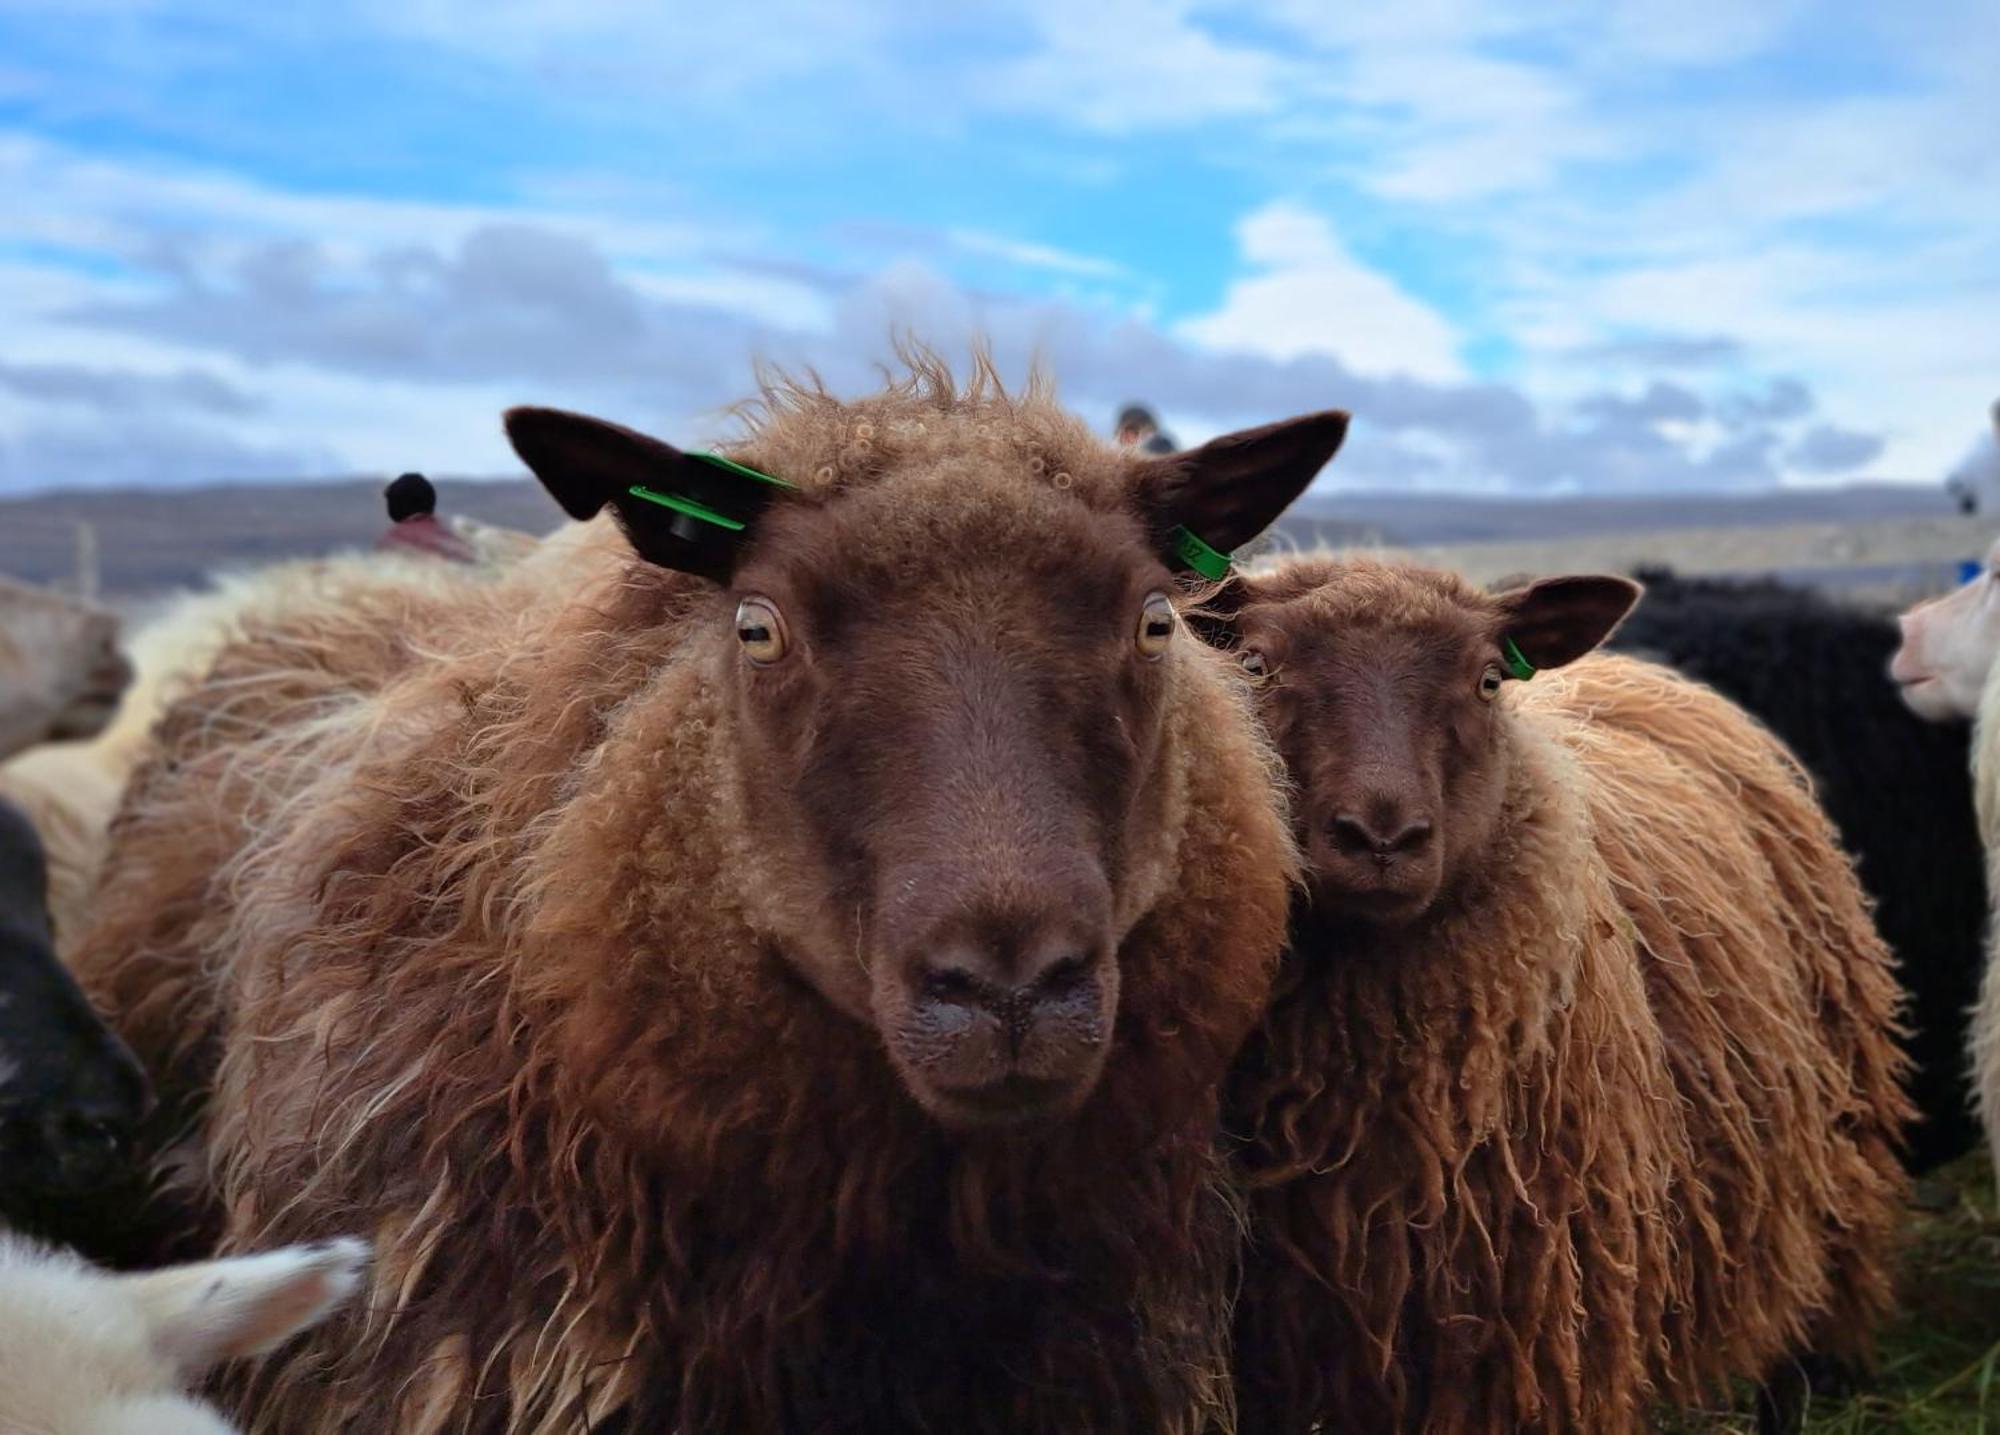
x: 912, y: 924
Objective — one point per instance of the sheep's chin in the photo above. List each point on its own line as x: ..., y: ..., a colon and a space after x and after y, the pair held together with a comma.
x: 1012, y: 1104
x: 1381, y: 907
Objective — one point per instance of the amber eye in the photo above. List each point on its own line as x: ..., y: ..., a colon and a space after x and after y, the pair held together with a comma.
x: 761, y: 630
x: 1156, y: 625
x: 1489, y: 682
x: 1253, y: 662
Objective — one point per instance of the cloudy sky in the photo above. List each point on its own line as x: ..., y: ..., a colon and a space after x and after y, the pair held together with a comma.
x: 1532, y: 244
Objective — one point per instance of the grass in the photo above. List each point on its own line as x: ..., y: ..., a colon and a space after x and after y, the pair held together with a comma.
x: 1939, y: 1368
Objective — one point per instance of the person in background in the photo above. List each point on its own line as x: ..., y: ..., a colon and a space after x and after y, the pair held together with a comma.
x: 1137, y: 428
x: 413, y: 523
x: 1975, y: 483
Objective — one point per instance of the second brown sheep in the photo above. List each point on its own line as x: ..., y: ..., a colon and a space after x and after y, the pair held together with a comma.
x: 1580, y: 1092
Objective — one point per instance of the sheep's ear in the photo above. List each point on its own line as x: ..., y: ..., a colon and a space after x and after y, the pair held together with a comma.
x: 690, y: 512
x: 1232, y: 488
x: 1554, y: 621
x: 199, y: 1315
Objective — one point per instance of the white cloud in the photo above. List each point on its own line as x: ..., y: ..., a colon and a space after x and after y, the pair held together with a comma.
x: 1693, y: 32
x: 314, y: 363
x: 1034, y: 256
x: 123, y: 210
x: 1917, y: 360
x: 1625, y: 186
x: 1311, y: 296
x: 1122, y: 65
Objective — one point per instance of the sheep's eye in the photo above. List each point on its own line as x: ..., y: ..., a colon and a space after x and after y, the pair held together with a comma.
x: 761, y: 630
x: 1489, y: 682
x: 1156, y: 625
x: 1254, y: 662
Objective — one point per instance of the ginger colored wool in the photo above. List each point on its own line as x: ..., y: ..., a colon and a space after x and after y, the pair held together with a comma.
x: 552, y: 961
x: 1615, y: 1117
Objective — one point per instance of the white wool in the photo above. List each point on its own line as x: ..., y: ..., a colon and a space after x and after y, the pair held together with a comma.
x: 86, y: 1352
x: 1984, y: 1038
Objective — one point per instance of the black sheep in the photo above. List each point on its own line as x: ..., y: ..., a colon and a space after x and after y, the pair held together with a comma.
x: 1898, y: 788
x: 71, y: 1093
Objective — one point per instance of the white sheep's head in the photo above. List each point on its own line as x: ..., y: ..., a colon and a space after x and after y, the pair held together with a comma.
x: 1948, y: 647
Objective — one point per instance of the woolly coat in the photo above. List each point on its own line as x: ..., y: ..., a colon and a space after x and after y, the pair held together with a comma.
x: 1983, y: 1039
x: 1617, y: 1125
x: 1811, y: 670
x: 473, y: 955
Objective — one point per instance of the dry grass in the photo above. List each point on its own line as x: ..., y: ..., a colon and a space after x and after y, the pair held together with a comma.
x: 1940, y: 1360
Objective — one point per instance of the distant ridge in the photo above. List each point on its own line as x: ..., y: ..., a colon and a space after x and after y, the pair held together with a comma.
x: 152, y: 540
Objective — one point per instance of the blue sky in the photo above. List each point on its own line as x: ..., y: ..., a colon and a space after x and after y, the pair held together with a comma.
x: 1532, y: 244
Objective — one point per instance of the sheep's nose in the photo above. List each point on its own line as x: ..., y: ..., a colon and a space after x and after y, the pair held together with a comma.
x: 1904, y: 664
x: 101, y: 1111
x: 1356, y: 836
x: 1035, y: 985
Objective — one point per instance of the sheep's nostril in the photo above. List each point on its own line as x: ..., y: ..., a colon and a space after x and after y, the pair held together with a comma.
x: 1411, y: 837
x: 82, y: 1133
x: 1355, y: 837
x: 1063, y: 974
x: 947, y: 984
x: 1351, y: 835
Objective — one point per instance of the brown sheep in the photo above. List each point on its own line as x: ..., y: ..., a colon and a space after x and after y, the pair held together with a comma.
x: 791, y: 998
x: 1580, y: 1090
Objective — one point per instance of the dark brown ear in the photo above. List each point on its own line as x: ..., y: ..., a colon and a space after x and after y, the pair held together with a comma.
x: 687, y: 512
x: 1554, y: 621
x: 1233, y: 488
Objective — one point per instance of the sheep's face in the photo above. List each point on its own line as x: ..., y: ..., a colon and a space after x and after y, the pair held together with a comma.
x: 1948, y: 646
x: 70, y: 1090
x: 1385, y: 691
x: 951, y: 691
x: 959, y: 738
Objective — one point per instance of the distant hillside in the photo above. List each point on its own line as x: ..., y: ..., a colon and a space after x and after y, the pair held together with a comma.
x: 150, y: 541
x: 1418, y: 520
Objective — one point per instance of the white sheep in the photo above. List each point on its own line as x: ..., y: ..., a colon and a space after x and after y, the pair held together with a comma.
x: 86, y: 1352
x: 1946, y: 673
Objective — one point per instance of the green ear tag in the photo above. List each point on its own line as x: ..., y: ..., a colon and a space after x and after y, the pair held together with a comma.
x: 686, y: 505
x: 1517, y: 665
x: 697, y: 515
x: 1209, y: 562
x: 710, y: 506
x: 730, y: 465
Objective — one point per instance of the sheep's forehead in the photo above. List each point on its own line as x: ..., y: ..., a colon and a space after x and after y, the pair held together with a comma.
x: 1323, y: 598
x: 965, y: 499
x: 826, y: 446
